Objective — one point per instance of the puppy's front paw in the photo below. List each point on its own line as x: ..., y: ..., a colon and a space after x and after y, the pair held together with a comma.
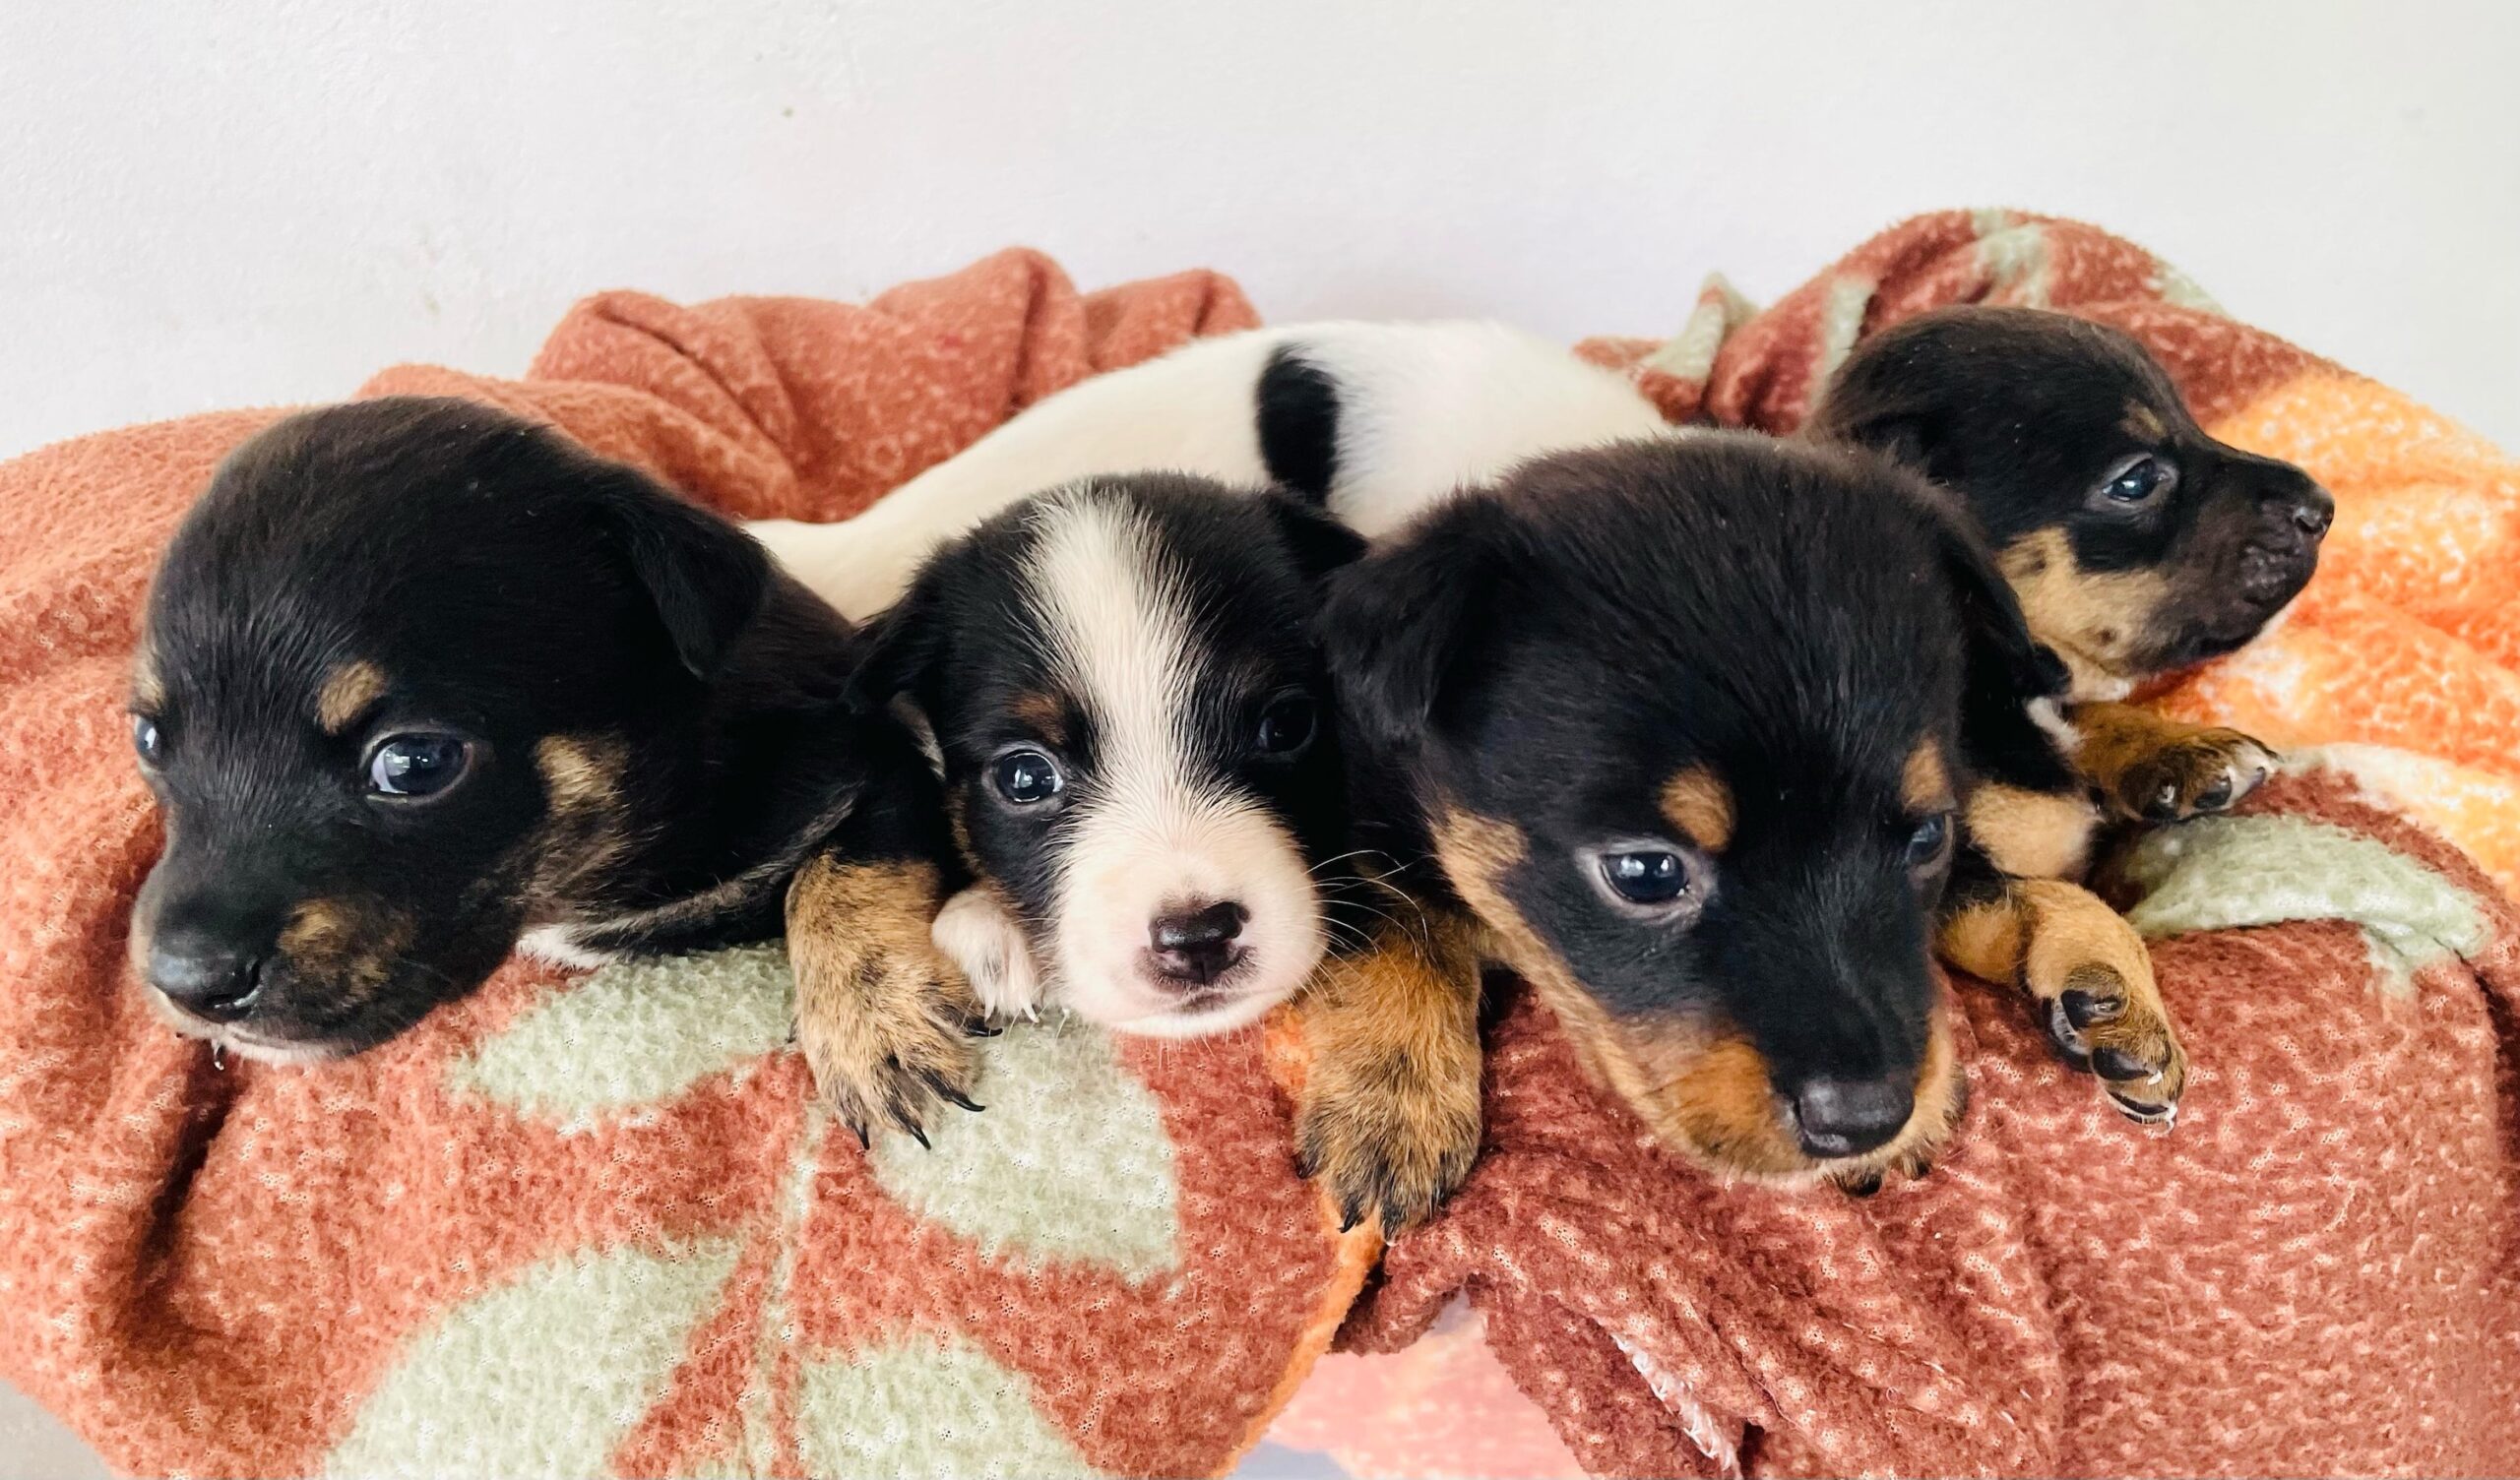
x: 887, y: 1035
x: 883, y: 1017
x: 1392, y: 1140
x: 2105, y: 1016
x: 982, y: 935
x: 2202, y: 772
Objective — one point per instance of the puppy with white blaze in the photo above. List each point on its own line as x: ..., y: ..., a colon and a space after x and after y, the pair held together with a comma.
x: 1129, y: 715
x: 1144, y: 774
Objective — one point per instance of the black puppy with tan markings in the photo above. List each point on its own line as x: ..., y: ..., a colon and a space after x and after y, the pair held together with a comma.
x: 1681, y: 722
x: 419, y: 680
x: 2137, y: 545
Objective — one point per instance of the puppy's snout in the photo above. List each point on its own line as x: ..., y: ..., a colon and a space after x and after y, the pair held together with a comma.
x: 1196, y: 946
x: 2312, y: 511
x: 1846, y: 1117
x: 207, y: 977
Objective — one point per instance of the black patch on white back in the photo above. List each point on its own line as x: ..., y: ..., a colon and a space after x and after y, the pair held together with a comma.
x: 1298, y: 422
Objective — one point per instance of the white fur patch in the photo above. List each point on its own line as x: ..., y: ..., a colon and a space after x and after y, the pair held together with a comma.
x: 2052, y: 723
x: 555, y: 944
x: 1150, y: 834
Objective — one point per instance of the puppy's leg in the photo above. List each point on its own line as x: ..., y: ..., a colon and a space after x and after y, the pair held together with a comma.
x: 884, y: 1018
x: 1389, y: 1115
x: 2088, y: 975
x: 2157, y: 770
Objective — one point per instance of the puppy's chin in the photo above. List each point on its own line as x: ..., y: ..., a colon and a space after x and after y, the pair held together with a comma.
x: 248, y: 1040
x: 1708, y: 1097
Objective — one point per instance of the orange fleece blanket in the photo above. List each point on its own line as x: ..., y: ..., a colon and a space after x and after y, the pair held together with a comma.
x: 589, y: 1224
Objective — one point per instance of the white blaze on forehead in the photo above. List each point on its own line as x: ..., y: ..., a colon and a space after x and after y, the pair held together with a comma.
x: 1115, y: 625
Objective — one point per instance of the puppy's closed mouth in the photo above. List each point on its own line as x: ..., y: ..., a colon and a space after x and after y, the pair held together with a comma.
x: 261, y: 1048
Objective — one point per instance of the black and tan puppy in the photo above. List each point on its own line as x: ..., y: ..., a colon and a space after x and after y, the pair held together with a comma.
x: 2137, y: 544
x: 419, y: 679
x: 1681, y: 719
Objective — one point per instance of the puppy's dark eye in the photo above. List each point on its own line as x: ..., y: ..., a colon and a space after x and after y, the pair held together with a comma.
x: 2140, y: 481
x: 1286, y: 726
x: 145, y: 739
x: 414, y: 767
x: 1929, y: 844
x: 1645, y: 877
x: 1027, y: 776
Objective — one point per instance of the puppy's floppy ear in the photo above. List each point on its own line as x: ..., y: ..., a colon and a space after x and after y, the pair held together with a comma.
x: 707, y: 577
x: 1395, y: 624
x: 2001, y: 649
x: 1320, y: 544
x: 901, y: 645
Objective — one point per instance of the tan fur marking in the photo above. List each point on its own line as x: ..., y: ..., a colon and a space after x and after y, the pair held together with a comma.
x: 1389, y: 1115
x: 147, y: 687
x: 1045, y: 713
x: 347, y: 692
x: 1700, y: 805
x: 2094, y: 620
x: 880, y: 1011
x: 348, y: 949
x: 1703, y: 1094
x: 1925, y: 783
x: 2031, y: 834
x: 580, y: 772
x: 2143, y: 423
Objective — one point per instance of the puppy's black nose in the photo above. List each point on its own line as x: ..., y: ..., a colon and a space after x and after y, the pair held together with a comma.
x: 1837, y: 1117
x: 205, y: 978
x: 1197, y: 946
x: 2303, y: 505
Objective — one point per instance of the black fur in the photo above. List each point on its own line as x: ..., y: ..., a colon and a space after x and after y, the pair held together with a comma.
x: 509, y: 588
x: 1298, y: 424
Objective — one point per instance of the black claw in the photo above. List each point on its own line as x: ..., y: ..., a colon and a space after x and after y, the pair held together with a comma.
x: 981, y: 1027
x: 2215, y: 799
x: 1350, y: 1215
x: 948, y: 1093
x: 917, y: 1134
x: 866, y: 1141
x: 2118, y: 1064
x: 2083, y: 1009
x: 2139, y: 1110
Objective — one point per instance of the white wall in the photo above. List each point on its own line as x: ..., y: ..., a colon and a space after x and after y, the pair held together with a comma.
x: 206, y: 204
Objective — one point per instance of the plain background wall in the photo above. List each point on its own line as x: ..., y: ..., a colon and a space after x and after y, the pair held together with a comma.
x: 208, y: 204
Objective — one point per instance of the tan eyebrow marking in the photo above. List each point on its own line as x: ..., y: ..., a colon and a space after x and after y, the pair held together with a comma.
x: 147, y: 689
x: 1926, y: 784
x: 1046, y: 713
x: 347, y: 692
x: 1700, y: 805
x: 2143, y: 423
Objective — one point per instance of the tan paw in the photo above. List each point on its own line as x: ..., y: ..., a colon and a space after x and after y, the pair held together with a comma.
x: 1388, y: 1139
x: 888, y: 1034
x: 2204, y: 772
x: 2106, y: 1026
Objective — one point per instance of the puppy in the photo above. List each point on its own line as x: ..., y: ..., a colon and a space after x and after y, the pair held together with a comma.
x: 1680, y: 719
x: 1144, y: 773
x: 1366, y: 421
x: 419, y: 680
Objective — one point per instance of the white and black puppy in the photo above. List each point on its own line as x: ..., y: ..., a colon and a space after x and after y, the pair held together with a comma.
x: 1369, y: 422
x: 1138, y: 754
